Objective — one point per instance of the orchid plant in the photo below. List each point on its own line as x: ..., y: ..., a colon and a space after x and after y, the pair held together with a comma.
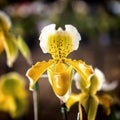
x: 12, y: 83
x: 88, y: 98
x: 60, y: 69
x: 10, y: 43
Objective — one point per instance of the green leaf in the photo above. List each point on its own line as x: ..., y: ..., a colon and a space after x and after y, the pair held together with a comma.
x: 93, y: 105
x: 22, y: 46
x: 83, y: 114
x: 90, y: 104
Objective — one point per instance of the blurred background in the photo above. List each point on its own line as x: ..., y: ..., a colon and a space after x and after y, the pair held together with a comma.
x: 99, y: 25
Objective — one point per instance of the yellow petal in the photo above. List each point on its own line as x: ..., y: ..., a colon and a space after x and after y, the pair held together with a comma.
x: 60, y: 76
x: 1, y: 47
x: 10, y: 101
x: 106, y: 101
x: 12, y: 83
x: 94, y: 85
x: 1, y: 41
x: 72, y: 100
x: 80, y: 84
x: 8, y: 104
x: 10, y: 48
x: 36, y: 71
x: 84, y: 70
x: 5, y: 21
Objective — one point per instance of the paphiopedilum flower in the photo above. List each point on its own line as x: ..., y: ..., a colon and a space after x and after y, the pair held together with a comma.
x: 59, y: 43
x: 88, y: 97
x: 13, y: 95
x: 10, y: 43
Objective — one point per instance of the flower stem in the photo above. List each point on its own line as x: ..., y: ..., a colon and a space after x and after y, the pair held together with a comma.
x: 35, y: 101
x: 64, y: 111
x: 78, y: 116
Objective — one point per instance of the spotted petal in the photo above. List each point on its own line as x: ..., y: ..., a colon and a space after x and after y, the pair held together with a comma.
x: 59, y: 43
x: 36, y: 71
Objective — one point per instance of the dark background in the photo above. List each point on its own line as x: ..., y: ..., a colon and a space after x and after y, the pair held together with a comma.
x: 99, y: 25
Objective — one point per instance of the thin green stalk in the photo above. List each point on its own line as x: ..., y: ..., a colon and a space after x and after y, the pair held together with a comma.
x: 35, y: 101
x: 64, y: 111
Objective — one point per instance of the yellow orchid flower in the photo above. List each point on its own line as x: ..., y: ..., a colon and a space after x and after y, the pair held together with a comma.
x: 88, y: 97
x: 59, y: 43
x: 10, y: 43
x: 13, y: 96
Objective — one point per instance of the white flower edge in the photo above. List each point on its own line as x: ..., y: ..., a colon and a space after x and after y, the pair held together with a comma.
x: 31, y: 81
x: 50, y: 29
x: 103, y: 83
x: 45, y: 33
x: 77, y: 79
x: 99, y: 74
x: 75, y: 35
x: 100, y: 77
